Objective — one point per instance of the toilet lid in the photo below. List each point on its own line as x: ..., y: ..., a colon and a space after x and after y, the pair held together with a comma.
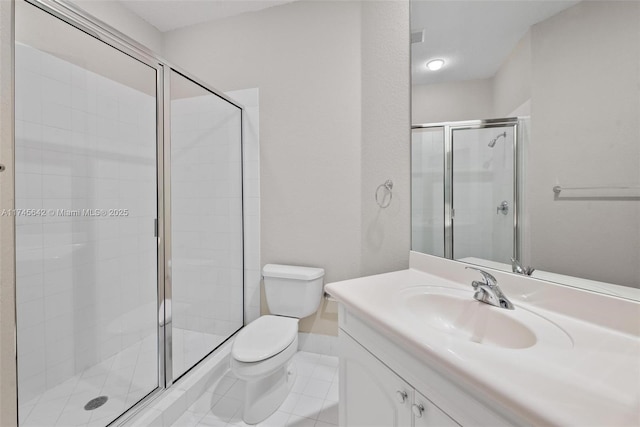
x: 264, y: 337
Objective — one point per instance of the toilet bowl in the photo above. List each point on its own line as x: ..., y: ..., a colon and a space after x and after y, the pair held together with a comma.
x: 262, y: 352
x: 264, y: 346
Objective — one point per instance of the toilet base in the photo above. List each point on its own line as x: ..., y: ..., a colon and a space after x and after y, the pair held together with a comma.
x: 265, y: 395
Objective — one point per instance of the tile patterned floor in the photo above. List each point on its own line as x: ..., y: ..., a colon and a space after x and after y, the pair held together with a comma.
x: 313, y: 401
x: 125, y: 378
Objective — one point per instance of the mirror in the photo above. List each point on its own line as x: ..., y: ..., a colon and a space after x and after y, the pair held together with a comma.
x: 566, y: 74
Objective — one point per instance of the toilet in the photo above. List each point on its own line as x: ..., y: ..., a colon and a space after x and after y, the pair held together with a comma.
x: 262, y: 351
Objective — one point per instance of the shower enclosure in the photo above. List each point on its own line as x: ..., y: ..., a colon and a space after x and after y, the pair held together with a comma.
x: 129, y: 231
x: 464, y: 189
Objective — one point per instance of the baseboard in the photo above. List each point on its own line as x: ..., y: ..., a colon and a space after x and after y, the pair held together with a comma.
x: 317, y: 343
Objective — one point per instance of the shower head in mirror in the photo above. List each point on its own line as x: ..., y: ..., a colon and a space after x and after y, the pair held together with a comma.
x: 492, y: 143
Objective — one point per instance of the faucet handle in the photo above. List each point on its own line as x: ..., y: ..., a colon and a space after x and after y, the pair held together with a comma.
x: 489, y: 279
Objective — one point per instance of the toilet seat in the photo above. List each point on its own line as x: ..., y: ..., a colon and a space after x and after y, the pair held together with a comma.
x: 263, y: 338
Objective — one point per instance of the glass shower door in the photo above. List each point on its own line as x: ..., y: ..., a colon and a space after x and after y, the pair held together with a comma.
x: 427, y: 190
x: 86, y: 198
x: 483, y: 194
x: 206, y: 222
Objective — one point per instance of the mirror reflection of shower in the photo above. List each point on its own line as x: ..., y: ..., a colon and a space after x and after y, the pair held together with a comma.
x: 479, y: 224
x: 492, y: 143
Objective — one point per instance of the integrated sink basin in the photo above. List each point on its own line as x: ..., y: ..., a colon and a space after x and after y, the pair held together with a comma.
x: 456, y: 313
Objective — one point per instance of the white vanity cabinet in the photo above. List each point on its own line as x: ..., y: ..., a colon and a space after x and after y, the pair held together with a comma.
x: 371, y: 394
x: 382, y: 384
x: 426, y: 414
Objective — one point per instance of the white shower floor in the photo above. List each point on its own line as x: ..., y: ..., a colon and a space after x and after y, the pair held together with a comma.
x: 125, y: 378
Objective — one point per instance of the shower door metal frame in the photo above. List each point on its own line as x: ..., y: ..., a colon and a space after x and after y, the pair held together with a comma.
x: 448, y: 130
x: 101, y: 31
x: 165, y: 282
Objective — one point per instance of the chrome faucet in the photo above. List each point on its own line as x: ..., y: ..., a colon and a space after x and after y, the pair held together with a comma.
x: 489, y: 292
x: 516, y: 267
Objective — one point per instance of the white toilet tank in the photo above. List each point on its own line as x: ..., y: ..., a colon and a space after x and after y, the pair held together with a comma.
x: 291, y: 290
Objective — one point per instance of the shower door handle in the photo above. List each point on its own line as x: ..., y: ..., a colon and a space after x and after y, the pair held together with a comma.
x: 503, y: 207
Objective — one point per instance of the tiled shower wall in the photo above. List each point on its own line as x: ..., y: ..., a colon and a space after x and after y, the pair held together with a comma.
x: 191, y: 310
x: 206, y: 192
x: 503, y: 182
x: 483, y: 177
x: 86, y: 286
x: 427, y: 187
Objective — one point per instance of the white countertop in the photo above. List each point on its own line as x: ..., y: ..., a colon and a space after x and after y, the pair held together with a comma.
x: 592, y: 381
x: 593, y: 285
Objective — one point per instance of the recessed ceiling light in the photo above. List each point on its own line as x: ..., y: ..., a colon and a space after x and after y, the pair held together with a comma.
x: 435, y: 64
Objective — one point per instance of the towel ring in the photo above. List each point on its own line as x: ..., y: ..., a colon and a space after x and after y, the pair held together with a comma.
x: 387, y: 185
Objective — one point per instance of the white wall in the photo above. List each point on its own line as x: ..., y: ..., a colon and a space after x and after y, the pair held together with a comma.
x: 585, y: 132
x: 452, y: 101
x: 8, y: 389
x: 386, y: 135
x: 122, y: 19
x: 511, y: 85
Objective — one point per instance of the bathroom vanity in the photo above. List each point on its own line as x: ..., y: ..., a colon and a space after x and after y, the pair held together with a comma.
x: 417, y: 350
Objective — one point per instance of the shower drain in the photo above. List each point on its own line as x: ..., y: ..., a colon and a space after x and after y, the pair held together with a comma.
x: 95, y: 403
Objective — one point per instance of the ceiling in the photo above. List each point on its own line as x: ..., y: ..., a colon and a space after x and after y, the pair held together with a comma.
x: 473, y: 37
x: 167, y: 15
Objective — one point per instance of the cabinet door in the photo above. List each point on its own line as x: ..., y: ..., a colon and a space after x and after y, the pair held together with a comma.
x: 370, y: 393
x: 426, y: 414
